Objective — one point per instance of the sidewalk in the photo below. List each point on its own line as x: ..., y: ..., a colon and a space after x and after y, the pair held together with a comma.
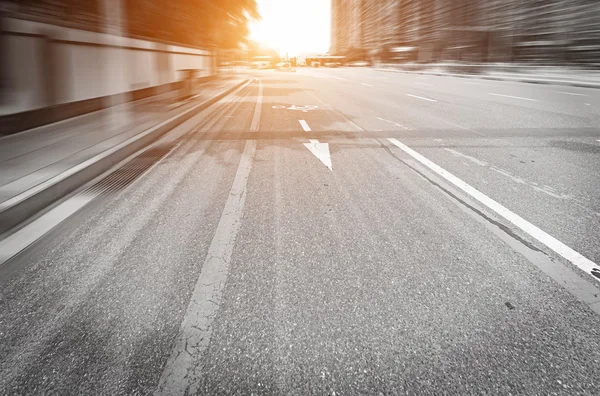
x: 37, y: 159
x: 505, y: 72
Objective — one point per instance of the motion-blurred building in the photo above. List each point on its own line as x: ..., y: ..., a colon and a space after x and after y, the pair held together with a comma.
x: 548, y: 31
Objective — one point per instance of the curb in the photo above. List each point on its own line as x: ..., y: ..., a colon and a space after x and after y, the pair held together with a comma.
x: 580, y: 84
x: 23, y: 206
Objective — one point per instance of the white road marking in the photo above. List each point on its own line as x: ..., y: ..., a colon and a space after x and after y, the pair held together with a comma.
x: 554, y: 244
x: 472, y: 159
x: 462, y: 127
x: 256, y: 117
x: 588, y: 104
x: 513, y: 97
x: 321, y: 151
x: 420, y: 97
x: 474, y: 83
x: 304, y: 126
x: 349, y: 121
x: 368, y: 85
x: 426, y: 84
x: 570, y: 93
x: 183, y: 371
x: 392, y: 122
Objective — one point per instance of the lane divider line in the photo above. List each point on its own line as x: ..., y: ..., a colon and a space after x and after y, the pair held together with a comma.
x: 577, y: 259
x: 367, y: 85
x: 304, y: 125
x: 513, y: 97
x: 570, y: 93
x: 183, y: 371
x: 422, y: 98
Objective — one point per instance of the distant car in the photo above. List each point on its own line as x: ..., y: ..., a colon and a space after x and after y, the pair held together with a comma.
x: 315, y: 64
x: 285, y: 66
x: 332, y: 64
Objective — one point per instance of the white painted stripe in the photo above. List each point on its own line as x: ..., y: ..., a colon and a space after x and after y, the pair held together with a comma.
x: 304, y: 126
x: 570, y: 93
x: 420, y: 97
x: 554, y: 244
x: 474, y: 83
x: 428, y: 85
x: 183, y: 371
x: 513, y: 97
x: 256, y: 117
x: 462, y: 127
x: 392, y: 122
x: 368, y: 85
x: 472, y: 159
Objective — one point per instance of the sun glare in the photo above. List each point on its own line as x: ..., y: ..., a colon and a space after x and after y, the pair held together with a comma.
x: 293, y: 26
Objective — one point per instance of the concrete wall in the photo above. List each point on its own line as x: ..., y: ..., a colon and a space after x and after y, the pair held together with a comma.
x: 47, y: 65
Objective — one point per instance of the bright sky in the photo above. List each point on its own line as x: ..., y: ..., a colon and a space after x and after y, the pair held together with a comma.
x: 294, y: 26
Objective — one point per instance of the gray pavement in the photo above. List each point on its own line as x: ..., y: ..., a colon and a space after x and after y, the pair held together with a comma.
x: 379, y: 276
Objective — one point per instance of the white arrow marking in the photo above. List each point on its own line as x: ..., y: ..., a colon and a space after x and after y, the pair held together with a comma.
x: 320, y: 150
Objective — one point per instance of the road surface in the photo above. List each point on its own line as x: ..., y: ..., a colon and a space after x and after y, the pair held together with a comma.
x: 328, y: 232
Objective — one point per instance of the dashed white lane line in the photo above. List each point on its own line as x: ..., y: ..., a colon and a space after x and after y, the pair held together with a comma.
x: 464, y: 128
x: 569, y: 93
x: 513, y: 97
x: 536, y: 233
x: 304, y: 125
x: 475, y: 83
x: 422, y: 98
x: 587, y: 104
x: 427, y: 85
x: 472, y: 159
x: 367, y: 85
x: 392, y: 122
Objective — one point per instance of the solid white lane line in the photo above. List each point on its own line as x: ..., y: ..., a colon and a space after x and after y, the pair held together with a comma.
x: 428, y: 85
x: 256, y: 117
x: 368, y: 85
x: 554, y: 244
x: 420, y: 97
x: 570, y: 93
x: 513, y: 97
x: 304, y: 125
x: 183, y: 371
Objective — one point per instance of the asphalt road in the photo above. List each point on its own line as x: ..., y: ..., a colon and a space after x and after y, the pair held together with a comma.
x: 329, y: 232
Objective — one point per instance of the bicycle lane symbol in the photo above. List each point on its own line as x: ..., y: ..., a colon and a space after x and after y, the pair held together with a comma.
x: 304, y: 109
